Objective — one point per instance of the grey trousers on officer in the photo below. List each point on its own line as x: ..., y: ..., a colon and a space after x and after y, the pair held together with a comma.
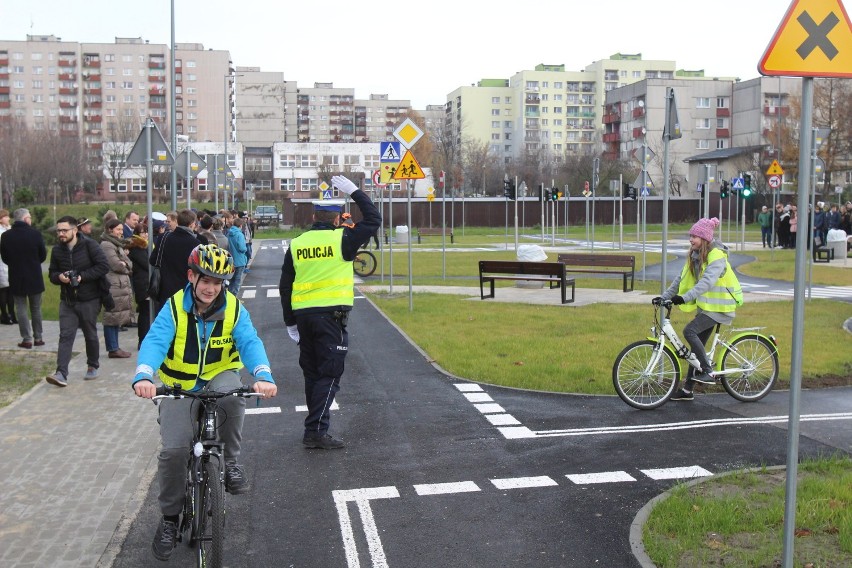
x: 177, y: 425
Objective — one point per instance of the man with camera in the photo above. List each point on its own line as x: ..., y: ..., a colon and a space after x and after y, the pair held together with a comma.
x: 77, y: 265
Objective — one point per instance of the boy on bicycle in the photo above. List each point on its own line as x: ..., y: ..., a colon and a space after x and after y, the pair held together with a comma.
x: 707, y: 283
x: 199, y: 341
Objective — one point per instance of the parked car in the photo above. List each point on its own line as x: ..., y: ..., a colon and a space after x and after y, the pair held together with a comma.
x: 266, y: 215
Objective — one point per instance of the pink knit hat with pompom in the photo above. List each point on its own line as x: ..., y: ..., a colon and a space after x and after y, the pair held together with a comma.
x: 704, y: 228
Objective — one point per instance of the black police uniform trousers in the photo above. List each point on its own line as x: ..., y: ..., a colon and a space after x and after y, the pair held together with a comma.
x: 323, y: 344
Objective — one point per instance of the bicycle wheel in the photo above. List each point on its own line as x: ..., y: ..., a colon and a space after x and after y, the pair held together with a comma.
x: 757, y: 359
x: 364, y: 263
x: 640, y: 386
x: 211, y: 514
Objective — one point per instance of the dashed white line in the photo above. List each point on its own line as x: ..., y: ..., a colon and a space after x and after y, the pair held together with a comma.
x: 601, y: 477
x: 264, y: 410
x: 676, y: 472
x: 444, y: 488
x: 478, y: 397
x: 468, y: 387
x: 488, y: 408
x: 249, y: 294
x: 524, y: 482
x: 502, y: 419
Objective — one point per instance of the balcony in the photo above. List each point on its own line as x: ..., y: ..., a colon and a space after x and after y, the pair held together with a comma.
x: 637, y: 132
x: 4, y: 90
x: 534, y: 99
x: 66, y: 91
x: 611, y: 137
x: 67, y: 104
x: 93, y: 118
x: 610, y: 156
x: 68, y: 119
x: 95, y: 145
x: 91, y: 62
x: 5, y: 104
x: 152, y: 104
x: 92, y: 77
x: 66, y: 62
x: 4, y: 75
x: 91, y: 91
x: 156, y: 65
x: 723, y: 133
x: 68, y: 131
x: 723, y: 112
x: 67, y: 76
x: 638, y: 111
x: 157, y: 78
x: 93, y: 104
x: 4, y: 60
x: 775, y: 111
x: 611, y: 117
x: 156, y: 91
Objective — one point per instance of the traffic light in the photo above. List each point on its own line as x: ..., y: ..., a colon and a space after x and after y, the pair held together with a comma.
x: 509, y: 189
x: 543, y: 195
x: 723, y: 190
x: 746, y: 192
x: 554, y: 194
x: 628, y: 191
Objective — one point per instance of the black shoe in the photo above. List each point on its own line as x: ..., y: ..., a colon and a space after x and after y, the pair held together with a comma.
x: 682, y: 395
x: 705, y: 378
x: 165, y: 540
x: 322, y: 441
x: 132, y: 324
x: 5, y: 320
x: 236, y: 481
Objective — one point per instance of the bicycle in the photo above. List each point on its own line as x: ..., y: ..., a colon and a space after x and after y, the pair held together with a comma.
x: 646, y: 372
x: 364, y: 263
x: 204, y: 504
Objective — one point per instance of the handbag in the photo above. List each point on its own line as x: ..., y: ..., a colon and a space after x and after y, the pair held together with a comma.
x: 106, y: 297
x: 154, y: 281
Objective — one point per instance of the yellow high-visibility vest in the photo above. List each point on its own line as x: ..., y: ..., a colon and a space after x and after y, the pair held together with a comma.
x: 724, y: 296
x: 323, y: 277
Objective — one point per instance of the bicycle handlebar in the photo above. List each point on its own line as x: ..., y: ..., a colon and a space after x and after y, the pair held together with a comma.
x: 166, y: 391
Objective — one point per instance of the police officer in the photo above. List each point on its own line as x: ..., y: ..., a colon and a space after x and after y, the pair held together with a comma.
x: 316, y: 296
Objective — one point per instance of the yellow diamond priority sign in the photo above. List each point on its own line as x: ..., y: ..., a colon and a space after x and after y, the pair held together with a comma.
x: 813, y: 40
x: 408, y: 133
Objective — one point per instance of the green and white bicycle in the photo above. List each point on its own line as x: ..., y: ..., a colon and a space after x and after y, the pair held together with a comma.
x: 646, y: 373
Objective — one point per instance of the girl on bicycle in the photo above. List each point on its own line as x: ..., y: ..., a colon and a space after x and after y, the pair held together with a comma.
x: 706, y: 283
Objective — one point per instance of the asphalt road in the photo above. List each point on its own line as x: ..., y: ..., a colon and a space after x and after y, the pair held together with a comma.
x: 439, y: 471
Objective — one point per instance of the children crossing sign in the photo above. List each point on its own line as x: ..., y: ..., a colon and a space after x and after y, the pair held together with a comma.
x: 409, y: 168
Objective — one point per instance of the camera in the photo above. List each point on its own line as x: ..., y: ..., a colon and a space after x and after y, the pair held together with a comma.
x: 73, y: 277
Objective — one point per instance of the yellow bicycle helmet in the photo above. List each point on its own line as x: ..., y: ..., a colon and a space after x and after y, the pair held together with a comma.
x: 211, y: 260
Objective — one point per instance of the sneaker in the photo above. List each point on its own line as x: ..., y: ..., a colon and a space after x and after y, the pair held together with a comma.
x: 165, y: 540
x: 236, y: 481
x: 705, y: 378
x: 57, y: 379
x: 682, y: 395
x: 322, y: 441
x: 91, y: 373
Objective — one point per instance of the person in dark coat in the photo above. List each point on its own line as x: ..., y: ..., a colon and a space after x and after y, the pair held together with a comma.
x: 22, y: 249
x: 138, y: 253
x: 171, y: 256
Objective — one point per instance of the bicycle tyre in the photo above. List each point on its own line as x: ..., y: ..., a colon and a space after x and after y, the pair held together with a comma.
x: 634, y: 385
x: 364, y: 263
x: 212, y: 518
x: 761, y: 357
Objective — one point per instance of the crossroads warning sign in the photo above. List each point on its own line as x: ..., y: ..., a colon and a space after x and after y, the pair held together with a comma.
x: 774, y: 169
x: 813, y: 40
x: 409, y: 168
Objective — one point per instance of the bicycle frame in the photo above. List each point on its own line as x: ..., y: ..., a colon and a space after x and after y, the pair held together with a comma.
x: 681, y: 352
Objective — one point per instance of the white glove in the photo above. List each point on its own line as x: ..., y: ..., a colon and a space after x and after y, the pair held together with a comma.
x: 293, y: 332
x: 343, y: 184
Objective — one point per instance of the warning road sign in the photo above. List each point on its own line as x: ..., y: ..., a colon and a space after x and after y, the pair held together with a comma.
x: 409, y: 168
x: 774, y: 169
x: 813, y: 40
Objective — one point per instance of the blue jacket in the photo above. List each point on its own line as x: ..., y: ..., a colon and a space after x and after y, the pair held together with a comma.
x: 237, y: 242
x: 159, y: 340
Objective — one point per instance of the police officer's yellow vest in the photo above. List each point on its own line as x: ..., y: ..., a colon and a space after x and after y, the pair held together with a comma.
x: 323, y: 278
x: 724, y: 296
x: 183, y: 364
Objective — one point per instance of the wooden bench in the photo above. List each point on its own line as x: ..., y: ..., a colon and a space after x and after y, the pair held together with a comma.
x: 623, y: 264
x: 822, y: 253
x: 436, y: 232
x: 551, y: 272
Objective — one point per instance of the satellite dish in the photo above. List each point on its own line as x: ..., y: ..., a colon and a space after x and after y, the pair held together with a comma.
x: 641, y: 104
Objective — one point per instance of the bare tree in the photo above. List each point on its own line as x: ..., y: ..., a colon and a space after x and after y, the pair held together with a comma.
x: 119, y: 135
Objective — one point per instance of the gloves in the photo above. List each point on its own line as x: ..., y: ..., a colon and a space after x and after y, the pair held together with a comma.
x: 657, y: 301
x: 293, y: 332
x: 677, y: 300
x: 343, y: 184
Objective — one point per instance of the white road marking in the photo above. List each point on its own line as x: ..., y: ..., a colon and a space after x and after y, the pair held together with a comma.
x: 601, y: 477
x: 488, y: 408
x: 478, y: 397
x: 468, y: 387
x: 273, y: 293
x: 676, y: 472
x: 523, y: 482
x: 304, y: 407
x: 362, y: 497
x: 249, y: 294
x: 444, y: 488
x: 264, y: 410
x: 502, y: 419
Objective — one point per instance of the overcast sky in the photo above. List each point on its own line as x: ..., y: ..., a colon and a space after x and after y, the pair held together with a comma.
x: 421, y: 51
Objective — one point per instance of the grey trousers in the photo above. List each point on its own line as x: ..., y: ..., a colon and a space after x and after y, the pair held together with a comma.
x: 177, y: 425
x: 83, y: 315
x: 29, y: 330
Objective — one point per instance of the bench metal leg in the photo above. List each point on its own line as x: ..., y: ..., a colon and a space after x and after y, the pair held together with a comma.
x: 482, y: 295
x: 565, y: 299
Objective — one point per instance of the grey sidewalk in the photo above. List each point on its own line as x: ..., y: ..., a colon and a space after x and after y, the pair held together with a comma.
x: 72, y: 459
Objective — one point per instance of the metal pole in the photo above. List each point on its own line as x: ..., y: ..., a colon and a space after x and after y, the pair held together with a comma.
x: 798, y: 329
x: 390, y: 237
x: 517, y: 196
x: 620, y: 213
x: 225, y: 169
x: 408, y: 191
x: 215, y: 179
x: 665, y: 234
x: 173, y: 117
x: 188, y: 179
x: 149, y: 167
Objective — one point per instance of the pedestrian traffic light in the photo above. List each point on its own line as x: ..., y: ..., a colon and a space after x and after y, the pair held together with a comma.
x: 723, y: 190
x: 629, y: 191
x: 542, y: 195
x: 746, y: 192
x: 509, y: 189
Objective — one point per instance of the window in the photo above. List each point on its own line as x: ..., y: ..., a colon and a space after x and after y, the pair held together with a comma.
x: 17, y: 69
x: 702, y: 102
x: 127, y: 58
x: 110, y: 98
x: 109, y: 84
x: 137, y: 185
x: 721, y: 102
x: 127, y: 84
x: 37, y: 84
x: 38, y: 70
x: 190, y: 63
x: 495, y: 136
x: 120, y: 186
x: 495, y: 112
x: 557, y: 97
x: 495, y: 100
x: 258, y: 164
x: 372, y: 161
x: 702, y: 144
x: 702, y: 123
x: 190, y: 76
x: 507, y: 100
x: 192, y: 103
x: 287, y: 161
x: 128, y: 99
x: 127, y: 72
x: 721, y: 123
x: 109, y: 57
x: 721, y: 143
x: 351, y: 160
x: 310, y: 184
x: 309, y: 161
x: 557, y: 84
x: 637, y: 74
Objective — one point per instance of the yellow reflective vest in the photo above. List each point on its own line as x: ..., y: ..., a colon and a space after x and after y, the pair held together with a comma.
x: 188, y: 360
x: 725, y: 294
x: 323, y: 277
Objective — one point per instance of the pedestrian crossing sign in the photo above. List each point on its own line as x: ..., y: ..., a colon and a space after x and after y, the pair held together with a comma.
x: 738, y: 183
x: 326, y: 194
x: 390, y: 152
x: 409, y: 168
